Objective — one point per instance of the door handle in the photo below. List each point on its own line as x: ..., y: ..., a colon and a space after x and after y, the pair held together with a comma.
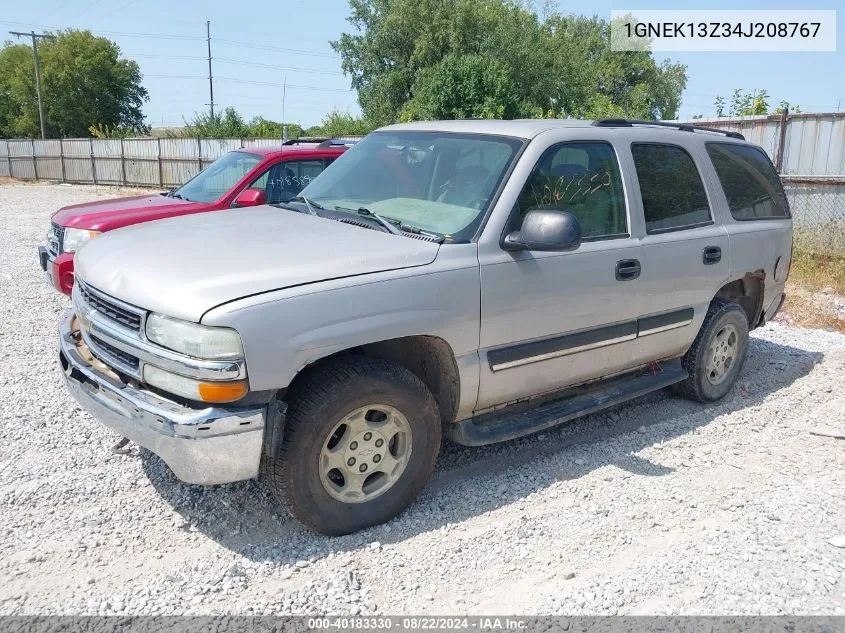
x: 712, y: 255
x: 627, y: 269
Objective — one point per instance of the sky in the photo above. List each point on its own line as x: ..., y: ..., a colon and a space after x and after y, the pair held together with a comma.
x: 258, y: 46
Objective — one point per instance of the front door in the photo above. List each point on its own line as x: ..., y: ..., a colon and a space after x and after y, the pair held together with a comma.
x: 552, y: 319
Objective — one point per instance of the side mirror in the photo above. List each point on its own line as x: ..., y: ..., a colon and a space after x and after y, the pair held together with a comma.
x: 545, y: 230
x: 250, y: 198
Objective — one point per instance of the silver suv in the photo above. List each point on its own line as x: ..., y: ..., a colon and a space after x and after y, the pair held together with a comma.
x: 478, y: 280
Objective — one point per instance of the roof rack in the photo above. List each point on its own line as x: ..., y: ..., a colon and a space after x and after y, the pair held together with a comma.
x: 321, y: 141
x: 306, y: 139
x: 684, y: 127
x: 335, y: 142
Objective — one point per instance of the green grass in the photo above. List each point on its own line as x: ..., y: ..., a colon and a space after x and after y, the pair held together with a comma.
x: 815, y: 272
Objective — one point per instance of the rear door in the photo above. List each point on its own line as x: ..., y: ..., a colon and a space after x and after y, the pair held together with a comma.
x: 685, y: 247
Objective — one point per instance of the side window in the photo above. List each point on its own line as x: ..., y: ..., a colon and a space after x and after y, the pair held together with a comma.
x: 749, y: 181
x: 582, y: 178
x: 261, y: 181
x: 672, y: 191
x: 283, y: 181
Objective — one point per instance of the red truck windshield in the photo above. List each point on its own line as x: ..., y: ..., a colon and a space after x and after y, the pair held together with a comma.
x: 218, y: 178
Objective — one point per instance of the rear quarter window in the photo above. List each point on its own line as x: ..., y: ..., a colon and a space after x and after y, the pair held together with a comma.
x: 749, y: 180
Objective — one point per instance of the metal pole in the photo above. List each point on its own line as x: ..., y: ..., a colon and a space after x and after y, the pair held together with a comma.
x: 38, y: 83
x: 210, y: 79
x: 62, y: 157
x: 199, y: 153
x: 122, y: 163
x: 781, y: 140
x: 160, y: 168
x: 9, y: 157
x: 93, y: 163
x: 35, y: 37
x: 34, y: 161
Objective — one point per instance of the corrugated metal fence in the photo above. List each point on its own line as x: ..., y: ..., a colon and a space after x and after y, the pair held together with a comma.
x: 809, y: 152
x: 143, y: 162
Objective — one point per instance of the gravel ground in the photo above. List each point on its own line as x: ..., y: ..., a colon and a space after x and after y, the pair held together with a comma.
x: 661, y: 506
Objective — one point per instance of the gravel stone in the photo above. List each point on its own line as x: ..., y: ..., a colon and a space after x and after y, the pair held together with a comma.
x: 728, y: 508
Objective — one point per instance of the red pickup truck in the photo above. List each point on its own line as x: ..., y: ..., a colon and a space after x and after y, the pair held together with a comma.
x: 242, y: 178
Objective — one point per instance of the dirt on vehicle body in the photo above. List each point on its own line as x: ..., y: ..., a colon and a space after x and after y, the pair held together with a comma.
x: 478, y: 280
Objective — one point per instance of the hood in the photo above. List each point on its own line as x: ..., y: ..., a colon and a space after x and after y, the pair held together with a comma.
x: 105, y: 215
x: 183, y: 267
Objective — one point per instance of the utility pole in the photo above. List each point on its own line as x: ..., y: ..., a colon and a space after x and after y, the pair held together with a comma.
x: 35, y: 37
x: 210, y: 80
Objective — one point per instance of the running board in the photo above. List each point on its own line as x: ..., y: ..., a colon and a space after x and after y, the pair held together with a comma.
x: 506, y: 425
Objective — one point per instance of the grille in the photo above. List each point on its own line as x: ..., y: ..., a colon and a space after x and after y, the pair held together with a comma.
x: 113, y: 355
x: 54, y: 238
x: 113, y: 311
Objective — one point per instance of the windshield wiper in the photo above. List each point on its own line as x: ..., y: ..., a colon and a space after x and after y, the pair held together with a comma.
x: 410, y: 228
x: 387, y: 224
x: 310, y: 205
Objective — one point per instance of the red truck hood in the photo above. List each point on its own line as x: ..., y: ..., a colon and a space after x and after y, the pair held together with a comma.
x: 105, y: 215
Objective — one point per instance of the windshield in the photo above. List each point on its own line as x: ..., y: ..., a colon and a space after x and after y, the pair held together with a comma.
x: 433, y: 181
x: 217, y: 179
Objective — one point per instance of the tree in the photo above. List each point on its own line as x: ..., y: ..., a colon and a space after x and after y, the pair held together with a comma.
x: 84, y: 83
x: 496, y: 58
x: 468, y: 87
x: 338, y: 124
x: 229, y: 124
x: 750, y: 103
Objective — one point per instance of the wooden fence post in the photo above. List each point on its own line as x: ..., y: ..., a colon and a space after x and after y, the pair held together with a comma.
x: 34, y: 162
x: 93, y: 163
x: 62, y: 157
x: 160, y: 168
x: 199, y: 153
x: 122, y: 163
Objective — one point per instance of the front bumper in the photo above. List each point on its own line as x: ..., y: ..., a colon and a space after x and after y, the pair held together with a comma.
x: 201, y: 446
x: 58, y: 270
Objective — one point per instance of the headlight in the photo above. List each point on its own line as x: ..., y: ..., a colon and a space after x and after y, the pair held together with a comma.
x: 74, y: 238
x: 199, y: 341
x: 194, y: 389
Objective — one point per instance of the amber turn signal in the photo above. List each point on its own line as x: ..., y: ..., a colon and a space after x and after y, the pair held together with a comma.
x: 222, y: 391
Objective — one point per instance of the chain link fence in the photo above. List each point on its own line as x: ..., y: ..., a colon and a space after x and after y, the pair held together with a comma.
x: 818, y: 212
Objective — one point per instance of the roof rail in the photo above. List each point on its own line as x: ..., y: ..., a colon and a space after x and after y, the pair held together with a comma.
x: 306, y: 139
x: 684, y: 127
x: 334, y: 142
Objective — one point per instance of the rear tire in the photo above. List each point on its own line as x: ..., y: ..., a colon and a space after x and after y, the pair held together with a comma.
x: 717, y: 355
x: 360, y: 441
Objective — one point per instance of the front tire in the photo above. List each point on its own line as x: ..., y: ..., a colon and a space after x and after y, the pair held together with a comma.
x: 718, y: 353
x: 361, y: 439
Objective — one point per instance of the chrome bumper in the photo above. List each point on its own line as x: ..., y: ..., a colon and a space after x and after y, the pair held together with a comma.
x: 201, y: 446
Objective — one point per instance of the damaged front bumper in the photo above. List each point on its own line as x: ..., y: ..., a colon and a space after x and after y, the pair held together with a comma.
x: 211, y: 445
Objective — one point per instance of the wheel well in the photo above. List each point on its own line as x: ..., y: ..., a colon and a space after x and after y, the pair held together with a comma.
x: 748, y: 293
x: 428, y: 357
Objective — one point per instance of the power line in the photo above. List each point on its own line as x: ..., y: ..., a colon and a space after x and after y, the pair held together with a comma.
x: 250, y: 81
x: 236, y: 62
x: 161, y: 55
x: 119, y: 9
x: 264, y: 47
x: 242, y: 62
